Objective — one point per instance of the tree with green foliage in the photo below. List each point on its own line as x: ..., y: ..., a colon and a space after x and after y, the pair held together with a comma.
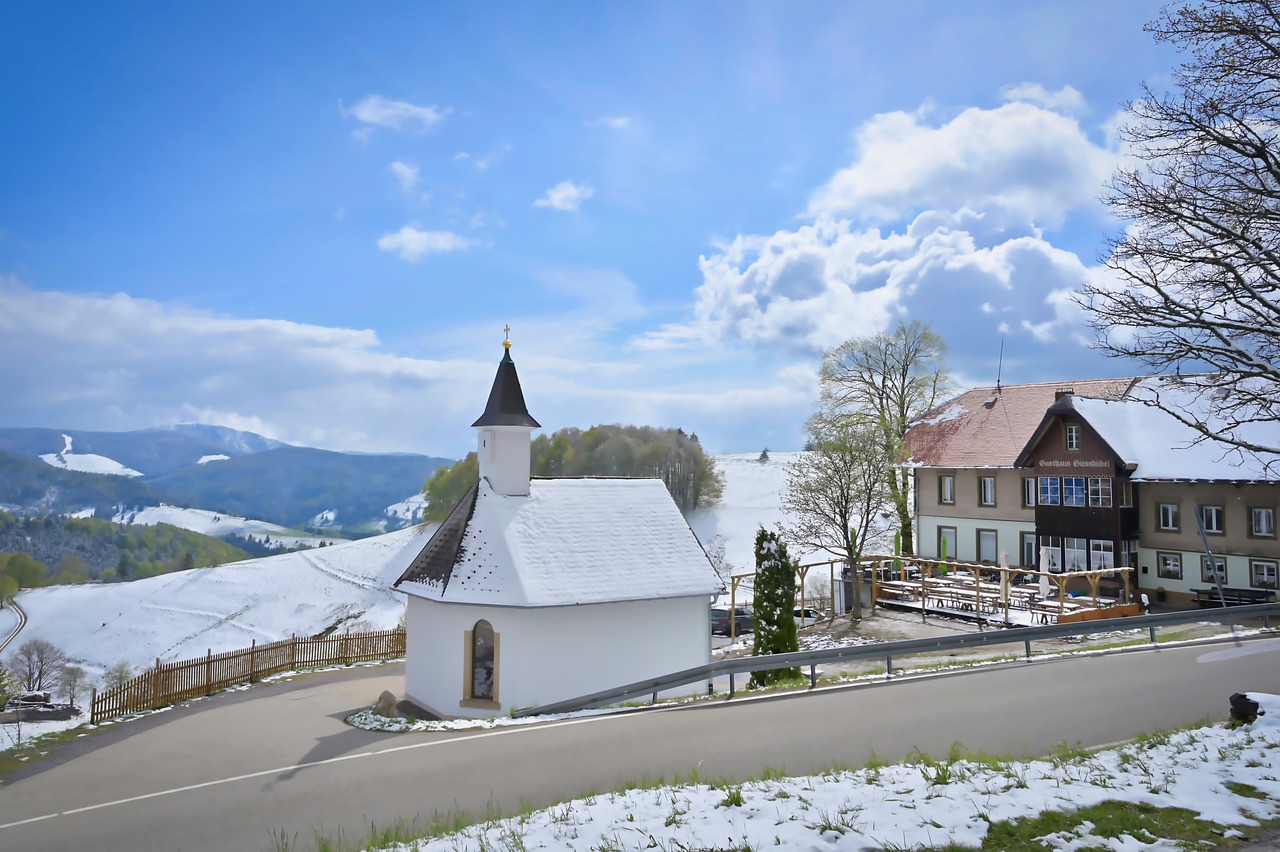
x: 774, y: 606
x: 610, y: 450
x: 70, y: 570
x: 8, y: 589
x: 888, y: 380
x: 29, y: 573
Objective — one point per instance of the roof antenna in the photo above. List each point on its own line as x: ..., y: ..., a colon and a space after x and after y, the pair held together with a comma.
x: 1000, y: 366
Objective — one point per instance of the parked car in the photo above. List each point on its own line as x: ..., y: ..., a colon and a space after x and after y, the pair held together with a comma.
x: 807, y: 616
x: 744, y: 618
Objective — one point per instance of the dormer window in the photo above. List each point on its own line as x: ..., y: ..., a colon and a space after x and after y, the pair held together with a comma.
x: 1073, y: 437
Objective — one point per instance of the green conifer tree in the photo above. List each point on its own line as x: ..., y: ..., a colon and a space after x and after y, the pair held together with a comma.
x: 775, y: 603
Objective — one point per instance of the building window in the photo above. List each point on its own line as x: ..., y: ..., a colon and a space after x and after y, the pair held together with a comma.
x: 1102, y: 555
x: 1028, y: 492
x: 1263, y: 522
x: 1027, y: 544
x: 1211, y: 518
x: 947, y: 489
x: 987, y: 546
x: 1129, y: 554
x: 986, y: 490
x: 483, y: 660
x: 947, y: 542
x: 1169, y: 566
x: 1073, y: 437
x: 1207, y: 570
x: 1126, y: 494
x: 1100, y: 492
x: 1262, y: 573
x: 1051, y: 546
x: 1073, y: 491
x: 1074, y: 555
x: 1167, y: 516
x: 1050, y: 491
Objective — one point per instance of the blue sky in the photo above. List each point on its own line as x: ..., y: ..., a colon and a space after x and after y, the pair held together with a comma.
x: 314, y: 220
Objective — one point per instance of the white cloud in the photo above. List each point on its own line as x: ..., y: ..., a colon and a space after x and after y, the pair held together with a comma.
x: 406, y: 174
x: 617, y: 122
x: 565, y: 195
x: 1018, y: 162
x: 412, y: 244
x: 1065, y: 100
x: 377, y: 111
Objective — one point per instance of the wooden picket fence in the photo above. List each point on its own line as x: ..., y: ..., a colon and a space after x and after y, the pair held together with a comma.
x: 170, y: 682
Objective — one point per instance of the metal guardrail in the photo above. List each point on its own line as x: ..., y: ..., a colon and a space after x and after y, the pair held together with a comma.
x: 888, y: 650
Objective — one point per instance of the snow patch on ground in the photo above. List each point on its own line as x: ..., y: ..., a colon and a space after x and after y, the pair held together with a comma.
x: 917, y: 806
x: 213, y: 458
x: 217, y: 524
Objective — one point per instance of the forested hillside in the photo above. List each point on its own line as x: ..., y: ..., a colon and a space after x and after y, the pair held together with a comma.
x: 48, y: 550
x: 613, y: 450
x: 34, y: 485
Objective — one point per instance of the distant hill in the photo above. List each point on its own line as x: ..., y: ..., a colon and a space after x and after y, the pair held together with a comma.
x: 207, y: 467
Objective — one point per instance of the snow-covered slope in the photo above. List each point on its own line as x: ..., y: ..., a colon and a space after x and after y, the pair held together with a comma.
x: 216, y: 524
x: 86, y: 462
x: 183, y: 615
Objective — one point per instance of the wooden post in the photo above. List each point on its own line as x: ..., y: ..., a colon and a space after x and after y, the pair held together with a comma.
x: 208, y: 672
x: 93, y: 706
x: 253, y: 659
x: 155, y: 685
x: 293, y: 651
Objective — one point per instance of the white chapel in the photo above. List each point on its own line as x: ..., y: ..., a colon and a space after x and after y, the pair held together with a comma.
x: 537, y: 590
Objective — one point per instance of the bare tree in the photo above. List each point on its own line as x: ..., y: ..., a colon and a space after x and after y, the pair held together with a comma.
x: 1198, y: 267
x: 888, y: 380
x: 835, y: 490
x: 119, y: 674
x: 73, y: 682
x: 38, y: 664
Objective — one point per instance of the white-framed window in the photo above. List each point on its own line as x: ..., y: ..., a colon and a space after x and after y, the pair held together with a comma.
x: 1102, y: 554
x: 1207, y: 570
x: 1126, y: 494
x: 1262, y: 522
x: 1129, y: 554
x: 1262, y: 573
x: 946, y: 542
x: 1100, y: 491
x: 1027, y: 546
x: 1075, y: 554
x: 1054, y: 551
x: 1050, y: 491
x: 1028, y: 492
x: 946, y: 489
x: 987, y: 546
x: 1073, y: 437
x: 986, y: 490
x: 1169, y: 566
x: 1212, y: 518
x: 1074, y: 491
x: 1167, y: 516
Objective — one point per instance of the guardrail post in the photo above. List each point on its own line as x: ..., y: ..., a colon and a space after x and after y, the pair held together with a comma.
x: 813, y: 676
x: 1028, y: 644
x: 730, y: 684
x: 888, y: 666
x: 1152, y: 631
x: 655, y: 697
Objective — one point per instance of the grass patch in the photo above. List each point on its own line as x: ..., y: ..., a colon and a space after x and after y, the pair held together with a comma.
x: 1107, y: 819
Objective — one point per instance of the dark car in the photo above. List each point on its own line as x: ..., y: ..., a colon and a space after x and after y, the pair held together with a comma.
x: 720, y: 620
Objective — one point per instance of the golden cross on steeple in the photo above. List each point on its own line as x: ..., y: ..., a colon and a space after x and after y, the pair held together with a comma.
x: 506, y: 341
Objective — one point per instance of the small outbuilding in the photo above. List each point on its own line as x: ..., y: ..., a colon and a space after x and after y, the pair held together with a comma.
x: 537, y: 590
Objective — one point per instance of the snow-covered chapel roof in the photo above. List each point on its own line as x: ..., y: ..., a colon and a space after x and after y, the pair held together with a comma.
x: 570, y: 541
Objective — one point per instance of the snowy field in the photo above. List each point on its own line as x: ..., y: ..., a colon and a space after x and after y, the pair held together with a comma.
x: 218, y: 525
x: 183, y: 615
x: 922, y: 805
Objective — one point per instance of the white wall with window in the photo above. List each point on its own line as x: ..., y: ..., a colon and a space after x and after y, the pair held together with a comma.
x: 1168, y: 565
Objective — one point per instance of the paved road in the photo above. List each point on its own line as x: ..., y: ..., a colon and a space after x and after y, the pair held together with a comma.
x: 227, y: 772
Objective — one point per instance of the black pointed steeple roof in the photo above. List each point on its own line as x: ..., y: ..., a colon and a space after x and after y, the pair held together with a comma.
x: 506, y: 400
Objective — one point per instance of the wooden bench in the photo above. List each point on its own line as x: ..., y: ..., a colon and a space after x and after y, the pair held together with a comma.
x: 1233, y: 597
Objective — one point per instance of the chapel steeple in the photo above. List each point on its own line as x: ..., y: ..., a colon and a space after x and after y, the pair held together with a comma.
x: 503, y: 442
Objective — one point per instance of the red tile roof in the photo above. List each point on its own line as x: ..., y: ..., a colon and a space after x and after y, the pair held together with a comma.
x: 986, y: 428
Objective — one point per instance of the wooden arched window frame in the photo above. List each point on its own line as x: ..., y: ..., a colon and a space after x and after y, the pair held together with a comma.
x: 480, y: 673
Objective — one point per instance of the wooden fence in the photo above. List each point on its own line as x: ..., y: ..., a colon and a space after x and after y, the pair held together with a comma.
x: 169, y: 682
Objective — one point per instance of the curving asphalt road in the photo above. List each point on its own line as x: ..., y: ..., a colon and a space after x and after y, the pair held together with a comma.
x: 229, y: 772
x: 22, y: 622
